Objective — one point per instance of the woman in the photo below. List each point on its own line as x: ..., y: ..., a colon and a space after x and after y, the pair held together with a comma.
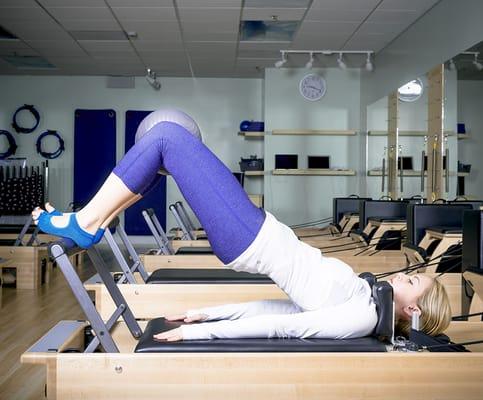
x: 326, y: 298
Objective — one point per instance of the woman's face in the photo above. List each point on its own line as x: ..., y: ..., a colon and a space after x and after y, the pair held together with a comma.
x: 407, y: 291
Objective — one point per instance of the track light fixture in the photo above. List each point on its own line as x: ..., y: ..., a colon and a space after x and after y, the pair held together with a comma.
x: 451, y: 65
x: 281, y: 62
x: 369, y: 65
x: 340, y: 62
x: 476, y: 63
x: 152, y: 79
x: 310, y: 63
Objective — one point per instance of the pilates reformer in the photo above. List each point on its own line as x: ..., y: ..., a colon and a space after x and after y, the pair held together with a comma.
x: 434, y: 229
x: 132, y: 365
x: 171, y: 247
x: 186, y: 229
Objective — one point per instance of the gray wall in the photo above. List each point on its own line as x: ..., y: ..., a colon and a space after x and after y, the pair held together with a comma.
x: 470, y: 112
x: 218, y: 105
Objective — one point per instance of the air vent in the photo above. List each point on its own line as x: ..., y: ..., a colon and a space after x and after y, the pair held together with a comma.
x: 6, y: 35
x: 28, y: 62
x: 273, y: 31
x: 99, y: 35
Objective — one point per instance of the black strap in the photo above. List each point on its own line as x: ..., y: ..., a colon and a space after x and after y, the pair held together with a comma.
x: 55, y: 153
x: 33, y: 111
x: 12, y: 145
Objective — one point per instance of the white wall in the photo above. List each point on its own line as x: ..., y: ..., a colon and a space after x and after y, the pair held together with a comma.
x: 470, y: 112
x: 218, y: 105
x: 296, y: 199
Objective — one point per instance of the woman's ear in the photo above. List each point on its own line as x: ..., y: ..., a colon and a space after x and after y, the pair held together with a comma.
x: 410, y: 309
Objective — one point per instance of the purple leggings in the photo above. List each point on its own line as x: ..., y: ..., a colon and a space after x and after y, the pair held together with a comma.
x: 230, y: 220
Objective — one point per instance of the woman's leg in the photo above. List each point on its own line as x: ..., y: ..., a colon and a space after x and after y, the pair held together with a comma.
x: 229, y: 218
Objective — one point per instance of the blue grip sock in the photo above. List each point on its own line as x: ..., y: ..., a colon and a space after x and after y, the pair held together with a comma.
x: 72, y: 231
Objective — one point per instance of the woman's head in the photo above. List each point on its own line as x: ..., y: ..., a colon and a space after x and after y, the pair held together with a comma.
x: 424, y: 295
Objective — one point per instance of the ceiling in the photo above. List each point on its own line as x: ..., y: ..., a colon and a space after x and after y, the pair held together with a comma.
x: 182, y: 38
x: 465, y: 67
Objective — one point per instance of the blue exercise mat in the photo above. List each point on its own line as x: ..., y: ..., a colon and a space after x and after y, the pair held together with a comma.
x: 134, y: 223
x: 94, y: 151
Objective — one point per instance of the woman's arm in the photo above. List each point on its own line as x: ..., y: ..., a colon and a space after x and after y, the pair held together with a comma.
x: 245, y: 310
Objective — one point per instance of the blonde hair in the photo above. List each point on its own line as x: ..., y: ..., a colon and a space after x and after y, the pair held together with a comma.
x: 435, y: 312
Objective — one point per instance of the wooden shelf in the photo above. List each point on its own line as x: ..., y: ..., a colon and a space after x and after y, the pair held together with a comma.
x: 314, y: 171
x: 411, y: 173
x: 252, y: 135
x: 254, y: 173
x: 314, y: 132
x: 463, y: 136
x: 407, y: 133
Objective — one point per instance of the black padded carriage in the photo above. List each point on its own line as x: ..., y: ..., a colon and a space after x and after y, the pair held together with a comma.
x: 193, y: 250
x: 205, y: 276
x: 383, y: 332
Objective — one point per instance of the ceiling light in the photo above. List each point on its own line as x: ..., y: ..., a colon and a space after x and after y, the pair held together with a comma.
x: 476, y: 63
x: 451, y: 65
x: 369, y: 64
x: 340, y: 62
x: 281, y: 62
x: 310, y: 63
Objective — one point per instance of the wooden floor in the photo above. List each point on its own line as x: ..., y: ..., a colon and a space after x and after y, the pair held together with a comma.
x: 24, y: 317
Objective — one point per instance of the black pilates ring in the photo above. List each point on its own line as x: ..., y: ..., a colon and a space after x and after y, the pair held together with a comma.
x: 33, y: 111
x: 55, y: 153
x: 12, y: 145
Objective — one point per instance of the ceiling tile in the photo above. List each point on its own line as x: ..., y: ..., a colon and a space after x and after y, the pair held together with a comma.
x: 262, y: 46
x: 152, y: 30
x: 140, y: 3
x: 56, y: 47
x: 89, y: 13
x: 368, y: 42
x: 319, y: 42
x: 145, y: 13
x: 90, y: 25
x: 106, y: 46
x: 393, y: 16
x: 372, y: 28
x: 231, y: 15
x: 209, y: 3
x: 277, y: 3
x: 415, y: 5
x: 37, y: 31
x: 333, y: 15
x: 210, y: 36
x: 18, y: 3
x: 156, y: 45
x: 318, y: 27
x: 346, y: 4
x: 7, y: 47
x: 210, y: 47
x: 73, y: 3
x: 209, y: 26
x: 269, y: 14
x: 24, y: 15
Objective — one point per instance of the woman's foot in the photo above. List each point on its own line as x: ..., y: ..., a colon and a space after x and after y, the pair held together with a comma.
x: 68, y: 225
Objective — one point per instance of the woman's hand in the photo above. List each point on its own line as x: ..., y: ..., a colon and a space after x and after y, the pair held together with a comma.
x: 185, y: 318
x: 173, y: 335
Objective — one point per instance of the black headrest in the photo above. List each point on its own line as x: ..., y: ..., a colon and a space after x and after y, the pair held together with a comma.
x: 473, y: 241
x: 383, y: 298
x: 423, y: 216
x: 380, y: 208
x: 342, y: 205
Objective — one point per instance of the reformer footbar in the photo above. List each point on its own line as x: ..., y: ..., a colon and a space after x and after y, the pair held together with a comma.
x: 184, y: 222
